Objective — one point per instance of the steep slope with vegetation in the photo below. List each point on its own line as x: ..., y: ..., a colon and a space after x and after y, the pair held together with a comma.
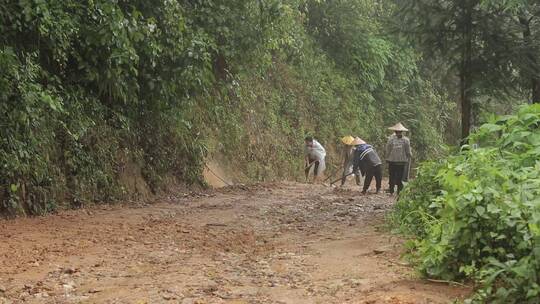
x: 476, y: 214
x: 89, y: 89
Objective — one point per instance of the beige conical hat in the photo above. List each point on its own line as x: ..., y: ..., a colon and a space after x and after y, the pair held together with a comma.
x: 398, y: 127
x: 357, y: 141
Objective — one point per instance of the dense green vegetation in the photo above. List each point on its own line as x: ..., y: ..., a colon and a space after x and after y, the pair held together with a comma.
x: 91, y: 88
x: 476, y: 214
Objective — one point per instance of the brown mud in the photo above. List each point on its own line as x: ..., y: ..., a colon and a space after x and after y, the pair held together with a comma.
x: 271, y: 243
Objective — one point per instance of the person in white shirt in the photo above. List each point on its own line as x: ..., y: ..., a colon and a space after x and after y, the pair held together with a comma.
x: 314, y: 154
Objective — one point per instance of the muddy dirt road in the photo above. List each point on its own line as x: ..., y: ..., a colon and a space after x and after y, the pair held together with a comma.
x: 274, y: 243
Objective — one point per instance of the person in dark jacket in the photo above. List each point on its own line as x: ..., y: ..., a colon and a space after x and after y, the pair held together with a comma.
x: 368, y: 162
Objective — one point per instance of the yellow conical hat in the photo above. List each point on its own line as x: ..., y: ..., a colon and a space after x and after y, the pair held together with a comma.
x: 347, y: 140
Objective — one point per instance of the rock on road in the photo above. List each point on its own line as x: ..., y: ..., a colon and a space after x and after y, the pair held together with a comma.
x: 268, y: 243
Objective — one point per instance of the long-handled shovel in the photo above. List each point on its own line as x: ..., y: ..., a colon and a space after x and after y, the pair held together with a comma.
x: 330, y: 176
x: 337, y: 180
x: 307, y: 168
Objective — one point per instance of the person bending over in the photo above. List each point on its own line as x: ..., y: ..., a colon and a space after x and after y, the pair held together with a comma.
x: 368, y: 162
x: 314, y: 157
x: 349, y: 143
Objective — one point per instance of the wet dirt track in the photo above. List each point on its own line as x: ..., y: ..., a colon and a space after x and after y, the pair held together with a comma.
x: 270, y: 243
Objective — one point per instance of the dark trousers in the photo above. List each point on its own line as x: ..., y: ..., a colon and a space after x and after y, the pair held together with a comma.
x: 395, y: 171
x: 371, y: 172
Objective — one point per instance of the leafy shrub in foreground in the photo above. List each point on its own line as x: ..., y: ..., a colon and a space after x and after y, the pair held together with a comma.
x: 412, y: 215
x: 477, y: 214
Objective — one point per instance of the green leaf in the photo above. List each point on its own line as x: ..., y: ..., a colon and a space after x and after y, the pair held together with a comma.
x: 492, y: 127
x: 480, y: 210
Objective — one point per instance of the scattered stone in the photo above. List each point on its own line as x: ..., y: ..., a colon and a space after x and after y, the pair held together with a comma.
x: 211, y: 288
x: 68, y: 287
x: 41, y: 295
x: 94, y: 290
x: 169, y: 297
x: 70, y: 270
x: 342, y: 213
x: 216, y: 225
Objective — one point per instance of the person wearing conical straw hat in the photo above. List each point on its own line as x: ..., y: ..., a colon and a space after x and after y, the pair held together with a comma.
x: 398, y: 156
x: 367, y: 161
x: 348, y: 153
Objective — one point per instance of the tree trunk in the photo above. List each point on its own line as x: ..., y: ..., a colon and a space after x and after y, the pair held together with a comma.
x: 532, y: 61
x: 466, y: 72
x: 535, y: 90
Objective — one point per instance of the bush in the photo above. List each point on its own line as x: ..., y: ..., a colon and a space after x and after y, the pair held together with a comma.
x: 476, y: 214
x: 412, y: 215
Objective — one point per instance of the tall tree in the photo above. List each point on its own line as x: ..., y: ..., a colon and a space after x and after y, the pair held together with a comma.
x: 449, y: 30
x: 492, y: 46
x: 517, y: 29
x: 526, y: 14
x: 465, y: 27
x: 532, y: 56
